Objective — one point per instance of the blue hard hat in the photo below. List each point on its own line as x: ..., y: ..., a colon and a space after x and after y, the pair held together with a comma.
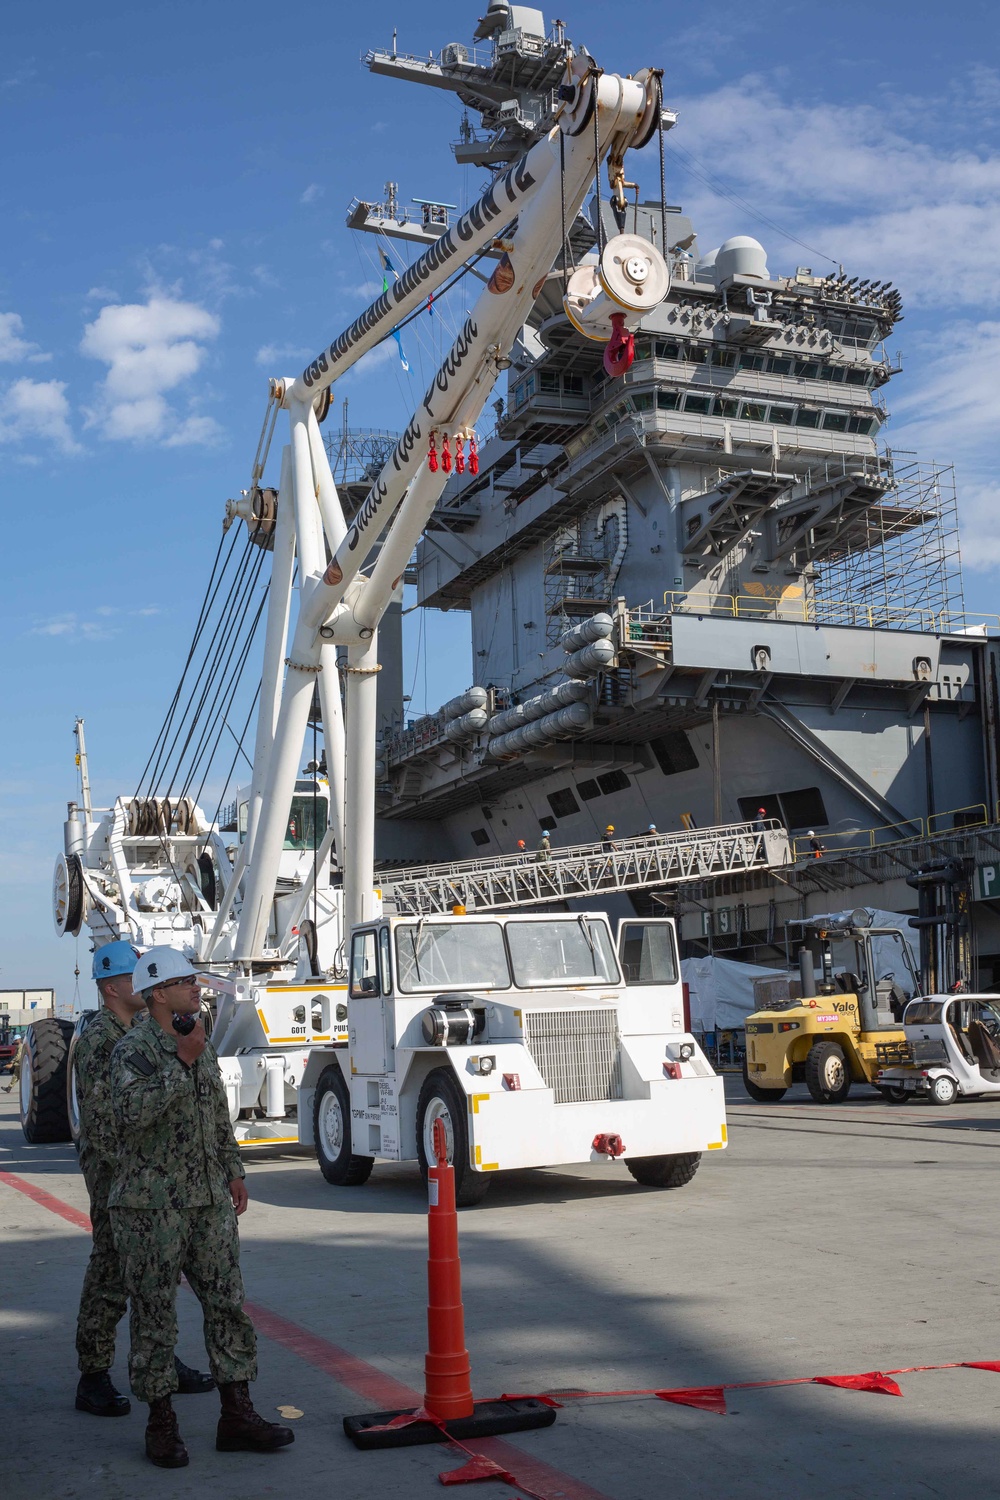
x: 113, y: 959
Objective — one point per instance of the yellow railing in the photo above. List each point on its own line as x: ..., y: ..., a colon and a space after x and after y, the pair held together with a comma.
x: 861, y: 840
x: 793, y: 606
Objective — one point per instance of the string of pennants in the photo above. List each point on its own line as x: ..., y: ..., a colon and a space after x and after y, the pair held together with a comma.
x: 710, y: 1398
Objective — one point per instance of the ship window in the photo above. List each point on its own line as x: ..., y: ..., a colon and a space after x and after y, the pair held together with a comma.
x: 588, y: 790
x: 834, y: 373
x: 754, y: 411
x: 861, y: 424
x: 644, y: 401
x: 800, y: 809
x: 697, y: 403
x: 548, y: 380
x: 518, y: 395
x: 725, y: 407
x: 667, y: 351
x: 807, y: 368
x: 779, y: 366
x: 807, y: 416
x: 724, y: 357
x: 613, y: 781
x: 573, y: 385
x: 643, y: 348
x: 667, y: 400
x: 857, y: 377
x: 751, y: 361
x: 834, y: 421
x: 529, y: 386
x: 480, y: 836
x: 674, y: 753
x: 781, y: 416
x: 563, y: 803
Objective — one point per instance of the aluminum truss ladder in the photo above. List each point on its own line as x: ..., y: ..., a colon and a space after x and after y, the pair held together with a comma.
x: 586, y: 870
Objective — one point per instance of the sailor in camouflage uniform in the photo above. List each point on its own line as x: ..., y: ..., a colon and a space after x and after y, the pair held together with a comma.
x: 174, y: 1206
x: 103, y: 1299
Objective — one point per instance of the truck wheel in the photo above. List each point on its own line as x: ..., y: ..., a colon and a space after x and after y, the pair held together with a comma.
x: 332, y: 1132
x: 896, y: 1096
x: 665, y: 1171
x: 43, y: 1081
x: 828, y: 1073
x: 943, y: 1090
x: 442, y: 1099
x: 762, y: 1096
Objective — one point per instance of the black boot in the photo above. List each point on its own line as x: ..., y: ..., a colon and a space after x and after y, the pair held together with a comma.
x: 241, y: 1429
x: 163, y: 1440
x: 96, y: 1394
x: 191, y: 1382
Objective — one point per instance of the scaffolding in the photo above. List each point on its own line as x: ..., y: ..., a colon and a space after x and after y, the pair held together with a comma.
x: 358, y: 454
x: 901, y: 560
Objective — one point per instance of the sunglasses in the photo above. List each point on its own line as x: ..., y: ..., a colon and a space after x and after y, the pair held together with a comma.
x: 169, y: 984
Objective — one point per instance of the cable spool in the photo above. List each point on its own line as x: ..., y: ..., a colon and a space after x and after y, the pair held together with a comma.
x: 579, y: 94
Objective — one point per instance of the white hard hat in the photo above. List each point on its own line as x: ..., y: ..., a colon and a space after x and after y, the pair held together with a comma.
x: 810, y: 834
x: 159, y: 964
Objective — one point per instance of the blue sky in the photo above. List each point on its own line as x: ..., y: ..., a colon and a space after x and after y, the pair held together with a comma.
x: 173, y: 194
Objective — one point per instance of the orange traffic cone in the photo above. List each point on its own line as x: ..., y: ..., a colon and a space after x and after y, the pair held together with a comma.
x: 449, y: 1409
x: 447, y: 1368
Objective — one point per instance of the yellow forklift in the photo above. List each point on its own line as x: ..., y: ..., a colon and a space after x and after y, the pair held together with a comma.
x: 840, y: 1029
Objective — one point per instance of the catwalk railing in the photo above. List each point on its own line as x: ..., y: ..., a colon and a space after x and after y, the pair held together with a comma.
x: 527, y: 879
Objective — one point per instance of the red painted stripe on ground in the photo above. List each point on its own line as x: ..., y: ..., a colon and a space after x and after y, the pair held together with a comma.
x: 356, y: 1374
x: 46, y: 1200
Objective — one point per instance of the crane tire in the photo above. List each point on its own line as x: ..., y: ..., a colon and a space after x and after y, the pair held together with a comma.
x: 441, y: 1098
x: 332, y: 1132
x: 44, y: 1116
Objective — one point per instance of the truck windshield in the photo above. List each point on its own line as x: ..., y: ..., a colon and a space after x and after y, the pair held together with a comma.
x: 466, y: 954
x: 923, y: 1013
x: 304, y: 830
x: 567, y: 951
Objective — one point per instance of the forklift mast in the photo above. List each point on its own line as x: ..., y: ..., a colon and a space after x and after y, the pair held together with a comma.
x: 944, y: 895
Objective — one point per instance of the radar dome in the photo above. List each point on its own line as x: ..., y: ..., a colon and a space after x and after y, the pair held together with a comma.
x: 705, y: 269
x: 741, y: 256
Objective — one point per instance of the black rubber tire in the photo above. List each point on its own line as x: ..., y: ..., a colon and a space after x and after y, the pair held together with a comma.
x: 336, y: 1161
x: 950, y: 1095
x: 664, y: 1171
x: 44, y: 1117
x: 896, y: 1096
x: 471, y: 1186
x: 824, y: 1056
x: 762, y: 1096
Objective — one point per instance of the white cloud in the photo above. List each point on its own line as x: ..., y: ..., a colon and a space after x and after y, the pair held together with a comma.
x: 279, y: 354
x: 313, y: 191
x: 858, y: 182
x: 13, y: 347
x: 150, y: 348
x: 951, y: 412
x: 72, y: 627
x: 37, y: 409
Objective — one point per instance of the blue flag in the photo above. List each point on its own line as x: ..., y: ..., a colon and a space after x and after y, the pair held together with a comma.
x: 388, y: 269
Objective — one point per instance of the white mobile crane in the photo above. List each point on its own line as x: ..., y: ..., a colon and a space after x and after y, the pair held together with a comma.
x: 536, y: 1038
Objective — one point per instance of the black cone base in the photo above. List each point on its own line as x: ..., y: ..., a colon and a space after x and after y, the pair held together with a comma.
x: 489, y: 1419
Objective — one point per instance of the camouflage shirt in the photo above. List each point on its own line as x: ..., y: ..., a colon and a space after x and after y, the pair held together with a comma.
x: 92, y: 1064
x: 176, y: 1145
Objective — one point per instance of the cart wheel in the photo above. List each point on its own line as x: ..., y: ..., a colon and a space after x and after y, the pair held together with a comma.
x: 896, y: 1096
x: 442, y: 1099
x: 665, y: 1171
x: 944, y: 1090
x: 828, y: 1073
x: 762, y: 1096
x: 332, y: 1132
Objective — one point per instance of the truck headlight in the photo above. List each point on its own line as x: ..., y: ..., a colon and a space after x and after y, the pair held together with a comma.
x: 686, y: 1051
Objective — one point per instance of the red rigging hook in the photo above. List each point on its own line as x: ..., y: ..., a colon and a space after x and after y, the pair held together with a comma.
x: 620, y: 349
x: 446, y: 454
x: 459, y: 454
x: 473, y: 455
x: 432, y: 457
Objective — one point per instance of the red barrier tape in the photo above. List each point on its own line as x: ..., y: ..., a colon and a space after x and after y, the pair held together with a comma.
x: 874, y: 1380
x: 705, y: 1398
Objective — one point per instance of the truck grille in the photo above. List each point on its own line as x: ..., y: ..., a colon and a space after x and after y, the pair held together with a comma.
x: 576, y: 1052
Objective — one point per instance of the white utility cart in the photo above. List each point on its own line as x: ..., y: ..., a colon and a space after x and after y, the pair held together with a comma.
x: 952, y: 1047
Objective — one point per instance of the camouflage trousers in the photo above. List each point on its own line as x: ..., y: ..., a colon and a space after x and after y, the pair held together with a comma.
x: 103, y: 1300
x: 154, y: 1248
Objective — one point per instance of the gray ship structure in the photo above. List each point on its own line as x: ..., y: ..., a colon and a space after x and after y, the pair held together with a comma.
x: 698, y: 590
